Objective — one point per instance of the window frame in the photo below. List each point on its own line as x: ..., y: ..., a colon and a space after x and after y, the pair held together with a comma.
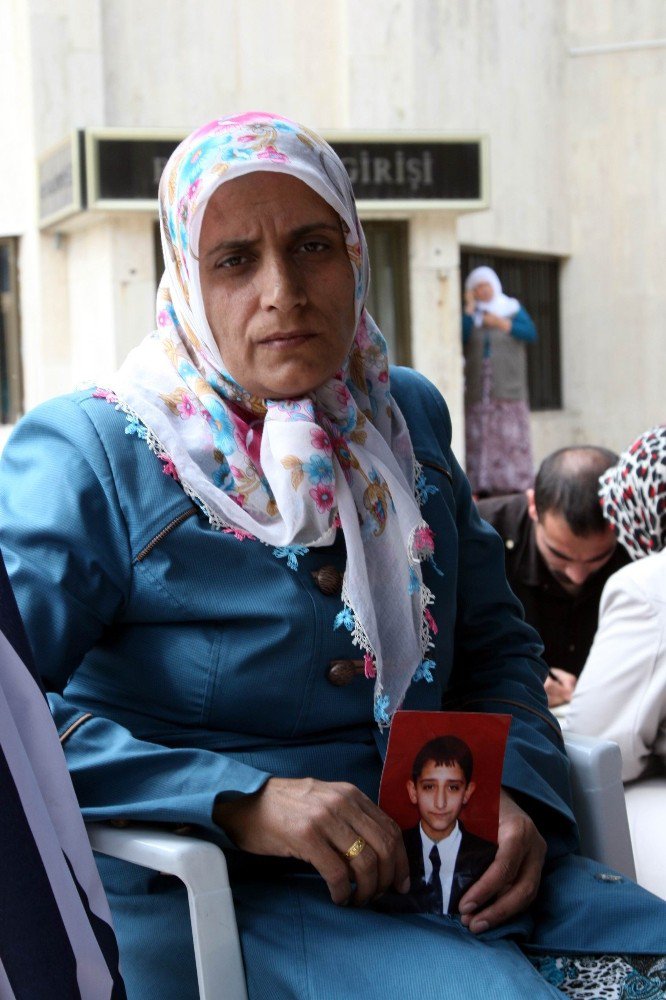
x: 534, y: 279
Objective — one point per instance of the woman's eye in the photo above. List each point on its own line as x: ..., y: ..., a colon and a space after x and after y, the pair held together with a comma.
x: 234, y: 260
x: 314, y: 246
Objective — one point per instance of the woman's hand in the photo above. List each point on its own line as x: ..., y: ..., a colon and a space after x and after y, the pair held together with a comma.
x: 470, y: 302
x: 499, y: 322
x: 513, y: 877
x: 318, y: 821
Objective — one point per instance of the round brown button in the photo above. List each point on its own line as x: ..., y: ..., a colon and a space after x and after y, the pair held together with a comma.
x: 328, y: 579
x: 342, y: 672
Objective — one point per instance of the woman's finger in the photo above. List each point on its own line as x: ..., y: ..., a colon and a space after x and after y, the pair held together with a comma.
x: 335, y: 871
x: 511, y: 900
x: 498, y: 877
x: 382, y: 861
x: 511, y: 882
x: 385, y: 837
x: 365, y: 872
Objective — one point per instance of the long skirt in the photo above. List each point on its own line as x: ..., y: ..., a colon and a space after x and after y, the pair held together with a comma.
x: 498, y: 451
x: 497, y: 447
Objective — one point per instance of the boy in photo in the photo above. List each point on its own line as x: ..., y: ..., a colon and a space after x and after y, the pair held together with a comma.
x: 444, y: 858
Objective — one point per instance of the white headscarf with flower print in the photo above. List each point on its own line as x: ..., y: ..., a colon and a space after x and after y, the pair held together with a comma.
x: 340, y: 457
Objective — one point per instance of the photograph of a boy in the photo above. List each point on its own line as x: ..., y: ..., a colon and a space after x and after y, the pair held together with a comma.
x: 444, y: 857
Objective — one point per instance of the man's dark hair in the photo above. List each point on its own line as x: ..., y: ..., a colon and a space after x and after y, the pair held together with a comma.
x: 446, y: 750
x: 567, y: 483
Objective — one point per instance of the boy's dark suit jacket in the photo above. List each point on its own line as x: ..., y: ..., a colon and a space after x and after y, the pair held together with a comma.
x: 474, y: 856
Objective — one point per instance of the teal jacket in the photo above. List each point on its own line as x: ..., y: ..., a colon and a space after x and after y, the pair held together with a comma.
x: 186, y: 665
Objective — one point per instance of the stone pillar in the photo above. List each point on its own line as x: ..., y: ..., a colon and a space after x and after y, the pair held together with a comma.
x: 111, y: 292
x: 435, y: 310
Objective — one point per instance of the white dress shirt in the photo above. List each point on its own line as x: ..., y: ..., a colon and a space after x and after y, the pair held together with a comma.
x: 448, y: 849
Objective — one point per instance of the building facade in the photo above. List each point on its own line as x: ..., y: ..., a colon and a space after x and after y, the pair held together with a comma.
x: 565, y: 99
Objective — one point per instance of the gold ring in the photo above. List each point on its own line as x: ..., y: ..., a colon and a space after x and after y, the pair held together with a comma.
x: 355, y: 848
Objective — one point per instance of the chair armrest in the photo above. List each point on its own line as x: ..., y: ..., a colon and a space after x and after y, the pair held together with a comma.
x: 203, y: 868
x: 598, y: 798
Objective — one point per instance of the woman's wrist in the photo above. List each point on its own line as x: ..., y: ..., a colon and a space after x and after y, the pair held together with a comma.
x: 231, y: 815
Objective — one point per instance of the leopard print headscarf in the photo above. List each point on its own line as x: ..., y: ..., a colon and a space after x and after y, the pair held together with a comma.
x: 633, y: 494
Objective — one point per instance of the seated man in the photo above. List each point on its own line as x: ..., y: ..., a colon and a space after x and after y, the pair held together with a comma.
x: 559, y: 554
x: 444, y: 857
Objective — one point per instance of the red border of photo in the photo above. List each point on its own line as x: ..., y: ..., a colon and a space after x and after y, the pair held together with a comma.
x: 484, y: 733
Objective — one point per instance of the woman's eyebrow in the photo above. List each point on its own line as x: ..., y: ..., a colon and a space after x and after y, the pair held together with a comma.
x: 245, y: 243
x: 240, y: 243
x: 311, y: 227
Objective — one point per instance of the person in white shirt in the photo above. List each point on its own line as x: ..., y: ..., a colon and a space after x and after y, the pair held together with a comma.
x: 444, y: 857
x: 622, y: 691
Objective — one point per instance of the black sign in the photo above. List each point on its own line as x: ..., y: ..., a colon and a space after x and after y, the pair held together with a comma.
x: 60, y: 178
x: 125, y: 170
x: 130, y: 169
x: 413, y: 171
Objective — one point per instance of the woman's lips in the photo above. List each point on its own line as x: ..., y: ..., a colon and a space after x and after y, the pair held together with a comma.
x: 291, y: 338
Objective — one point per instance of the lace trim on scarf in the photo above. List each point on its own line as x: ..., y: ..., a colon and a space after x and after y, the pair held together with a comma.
x: 136, y: 426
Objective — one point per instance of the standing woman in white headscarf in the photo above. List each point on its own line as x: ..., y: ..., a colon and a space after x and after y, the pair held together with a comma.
x: 495, y: 331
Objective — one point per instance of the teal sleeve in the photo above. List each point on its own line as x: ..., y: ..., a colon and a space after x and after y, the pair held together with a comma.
x: 467, y: 326
x: 118, y: 777
x: 67, y: 550
x: 522, y: 327
x: 63, y: 536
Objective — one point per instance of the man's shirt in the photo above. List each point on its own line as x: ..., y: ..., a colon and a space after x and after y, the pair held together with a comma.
x: 566, y: 622
x: 448, y: 851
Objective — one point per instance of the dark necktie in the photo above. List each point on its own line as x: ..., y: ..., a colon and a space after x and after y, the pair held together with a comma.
x: 435, y: 881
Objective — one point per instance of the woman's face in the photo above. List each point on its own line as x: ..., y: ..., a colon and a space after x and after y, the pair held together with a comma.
x: 277, y: 284
x: 483, y: 292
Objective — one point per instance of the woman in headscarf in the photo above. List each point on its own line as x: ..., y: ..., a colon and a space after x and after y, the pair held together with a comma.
x: 496, y: 328
x: 238, y: 559
x: 621, y: 694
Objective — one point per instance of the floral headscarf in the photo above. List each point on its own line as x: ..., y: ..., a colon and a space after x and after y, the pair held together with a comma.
x: 339, y: 457
x: 633, y: 494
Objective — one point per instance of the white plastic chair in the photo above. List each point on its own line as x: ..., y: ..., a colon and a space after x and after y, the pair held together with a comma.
x: 203, y: 868
x: 646, y: 810
x: 596, y: 777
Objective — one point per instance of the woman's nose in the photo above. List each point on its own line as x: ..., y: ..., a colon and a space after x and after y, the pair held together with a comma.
x: 282, y: 287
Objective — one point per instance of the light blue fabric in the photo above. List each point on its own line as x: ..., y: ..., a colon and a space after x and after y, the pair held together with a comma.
x: 203, y: 660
